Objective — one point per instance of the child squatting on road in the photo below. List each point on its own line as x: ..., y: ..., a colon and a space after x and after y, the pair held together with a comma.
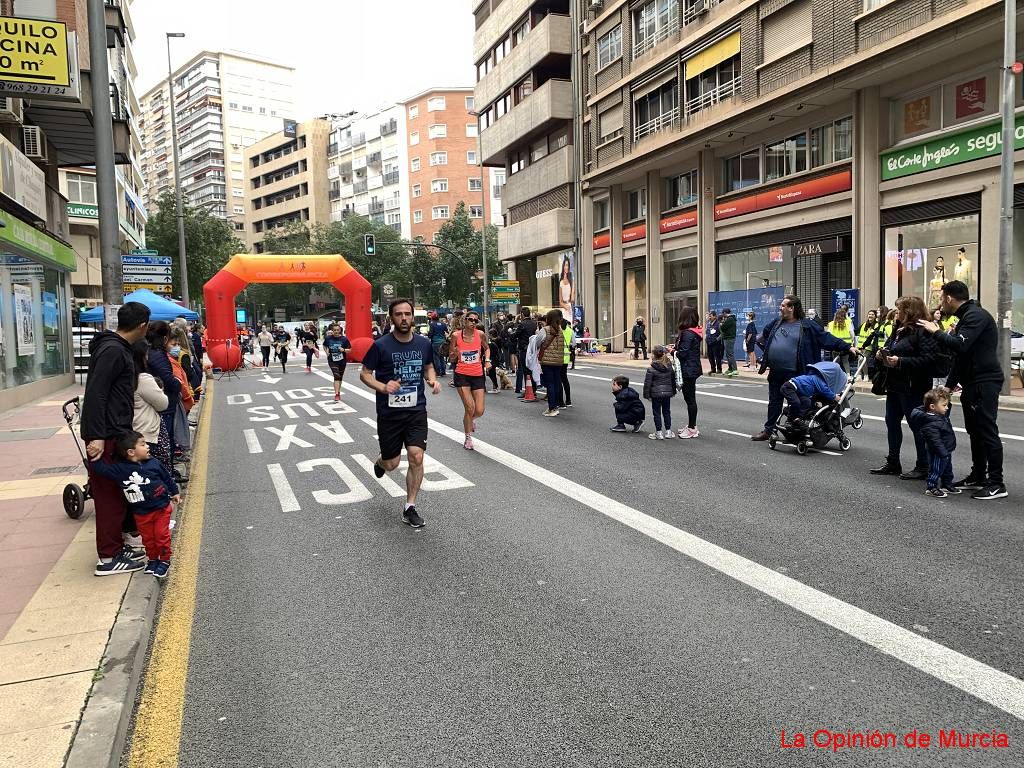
x: 149, y: 491
x: 629, y: 408
x: 931, y: 421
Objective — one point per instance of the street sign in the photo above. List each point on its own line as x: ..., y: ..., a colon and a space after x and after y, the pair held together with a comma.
x: 146, y: 270
x: 136, y: 260
x: 144, y: 252
x: 505, y: 283
x: 155, y: 288
x: 160, y: 279
x: 504, y: 289
x: 279, y: 315
x: 387, y: 291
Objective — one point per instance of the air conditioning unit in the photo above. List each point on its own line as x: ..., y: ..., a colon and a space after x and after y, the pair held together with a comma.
x: 699, y: 8
x: 33, y: 143
x: 11, y: 110
x: 596, y: 5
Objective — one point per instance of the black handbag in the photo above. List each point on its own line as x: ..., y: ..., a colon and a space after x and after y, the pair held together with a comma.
x: 880, y: 381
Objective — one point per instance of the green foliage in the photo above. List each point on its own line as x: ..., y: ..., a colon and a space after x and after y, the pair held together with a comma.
x: 209, y: 242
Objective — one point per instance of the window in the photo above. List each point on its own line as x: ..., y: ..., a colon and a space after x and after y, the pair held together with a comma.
x: 517, y: 161
x: 523, y: 89
x: 787, y: 30
x: 538, y: 149
x: 414, y: 164
x: 743, y: 170
x: 239, y: 209
x: 439, y: 158
x: 653, y: 22
x: 501, y: 50
x: 263, y: 110
x: 610, y: 123
x: 394, y: 218
x: 232, y: 105
x: 601, y: 214
x: 476, y: 211
x: 414, y: 138
x: 609, y: 47
x: 246, y: 108
x: 475, y: 185
x: 832, y: 143
x: 81, y: 188
x: 501, y: 107
x: 437, y: 131
x: 655, y: 110
x: 786, y: 157
x: 472, y: 130
x: 680, y: 191
x: 471, y: 157
x: 436, y: 103
x: 439, y: 185
x: 417, y: 190
x: 470, y: 103
x: 483, y: 68
x: 414, y: 112
x: 713, y: 85
x: 439, y: 212
x: 417, y: 217
x: 520, y: 31
x: 636, y: 204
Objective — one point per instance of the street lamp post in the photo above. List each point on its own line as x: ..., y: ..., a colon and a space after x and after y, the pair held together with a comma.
x: 177, y: 172
x: 483, y: 214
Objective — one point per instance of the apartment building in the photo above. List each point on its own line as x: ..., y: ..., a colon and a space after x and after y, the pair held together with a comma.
x: 286, y: 180
x: 444, y: 163
x: 224, y: 102
x: 525, y: 99
x: 367, y: 168
x: 802, y: 145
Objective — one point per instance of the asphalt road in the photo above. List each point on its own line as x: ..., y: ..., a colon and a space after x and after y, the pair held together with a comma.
x: 583, y: 598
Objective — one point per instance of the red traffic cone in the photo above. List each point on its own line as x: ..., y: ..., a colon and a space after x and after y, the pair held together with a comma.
x: 529, y: 397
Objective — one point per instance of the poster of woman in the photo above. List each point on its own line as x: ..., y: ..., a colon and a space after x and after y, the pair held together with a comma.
x: 24, y: 324
x: 566, y: 287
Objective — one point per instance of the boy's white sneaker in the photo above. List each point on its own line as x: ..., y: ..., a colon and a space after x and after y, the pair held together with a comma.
x: 656, y: 436
x: 669, y: 434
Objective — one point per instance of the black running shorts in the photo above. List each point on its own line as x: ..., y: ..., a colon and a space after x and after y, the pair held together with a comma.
x: 338, y: 369
x: 397, y: 428
x: 473, y: 382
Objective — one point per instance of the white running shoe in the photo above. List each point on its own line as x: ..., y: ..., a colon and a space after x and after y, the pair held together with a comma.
x: 688, y: 433
x: 468, y: 444
x: 669, y: 434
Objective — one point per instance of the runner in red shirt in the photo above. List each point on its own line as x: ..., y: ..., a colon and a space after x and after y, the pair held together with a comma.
x: 472, y: 358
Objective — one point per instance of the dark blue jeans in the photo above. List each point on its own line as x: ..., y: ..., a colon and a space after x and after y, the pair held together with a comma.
x: 940, y: 472
x: 521, y: 371
x: 661, y: 407
x: 899, y: 406
x: 552, y: 375
x: 439, y: 368
x: 776, y: 378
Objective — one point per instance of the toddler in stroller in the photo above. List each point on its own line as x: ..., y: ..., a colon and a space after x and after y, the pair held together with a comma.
x: 819, y: 406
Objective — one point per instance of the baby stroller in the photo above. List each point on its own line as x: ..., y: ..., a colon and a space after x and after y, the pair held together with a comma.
x: 828, y: 422
x: 75, y: 496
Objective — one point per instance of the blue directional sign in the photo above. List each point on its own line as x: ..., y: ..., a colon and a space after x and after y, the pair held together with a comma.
x: 156, y: 261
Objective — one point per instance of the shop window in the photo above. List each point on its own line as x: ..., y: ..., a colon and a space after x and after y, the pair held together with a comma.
x: 609, y: 47
x: 603, y: 292
x: 920, y: 257
x: 680, y: 286
x: 680, y: 191
x: 636, y: 204
x: 635, y: 280
x: 33, y: 331
x: 741, y: 270
x: 602, y: 217
x: 655, y: 110
x: 743, y: 171
x: 786, y: 157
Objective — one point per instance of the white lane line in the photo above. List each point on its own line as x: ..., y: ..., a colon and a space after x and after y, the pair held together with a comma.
x: 969, y: 675
x: 730, y: 432
x: 284, y: 489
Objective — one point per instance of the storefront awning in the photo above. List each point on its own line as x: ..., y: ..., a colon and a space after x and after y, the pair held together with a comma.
x: 713, y: 55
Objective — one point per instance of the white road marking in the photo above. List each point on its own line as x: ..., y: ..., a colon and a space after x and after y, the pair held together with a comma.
x: 969, y: 675
x: 390, y: 486
x: 730, y: 432
x: 251, y: 441
x: 285, y: 495
x: 813, y: 450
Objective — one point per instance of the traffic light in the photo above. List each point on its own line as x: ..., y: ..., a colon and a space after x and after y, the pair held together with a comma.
x: 369, y: 245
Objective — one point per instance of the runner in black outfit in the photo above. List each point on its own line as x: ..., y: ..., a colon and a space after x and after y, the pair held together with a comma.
x: 395, y: 367
x: 336, y: 346
x: 308, y: 339
x: 282, y: 339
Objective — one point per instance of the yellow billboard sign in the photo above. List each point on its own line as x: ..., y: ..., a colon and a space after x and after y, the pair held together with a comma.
x: 34, y: 51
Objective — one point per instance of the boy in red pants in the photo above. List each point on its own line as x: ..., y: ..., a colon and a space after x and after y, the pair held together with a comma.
x: 149, y: 491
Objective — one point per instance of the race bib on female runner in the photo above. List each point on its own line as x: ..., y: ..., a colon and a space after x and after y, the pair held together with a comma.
x: 338, y: 356
x: 471, y: 356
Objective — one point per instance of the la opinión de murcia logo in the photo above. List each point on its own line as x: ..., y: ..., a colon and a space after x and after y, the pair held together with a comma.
x: 837, y: 741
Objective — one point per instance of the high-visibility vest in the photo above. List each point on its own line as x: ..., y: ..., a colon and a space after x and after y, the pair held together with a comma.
x: 567, y: 335
x: 845, y: 333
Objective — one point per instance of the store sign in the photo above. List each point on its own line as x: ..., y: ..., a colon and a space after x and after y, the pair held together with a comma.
x: 34, y: 51
x: 636, y: 232
x: 23, y: 237
x: 791, y: 193
x: 602, y: 240
x: 818, y: 247
x: 20, y: 179
x: 948, y: 150
x: 542, y: 273
x: 83, y: 211
x: 678, y: 221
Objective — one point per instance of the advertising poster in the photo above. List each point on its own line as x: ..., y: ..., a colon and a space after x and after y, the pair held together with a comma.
x: 917, y: 114
x: 567, y: 287
x: 763, y: 302
x: 23, y: 320
x: 970, y: 98
x: 49, y: 314
x: 849, y: 298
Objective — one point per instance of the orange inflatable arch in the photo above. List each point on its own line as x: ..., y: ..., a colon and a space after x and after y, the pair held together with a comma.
x: 246, y: 268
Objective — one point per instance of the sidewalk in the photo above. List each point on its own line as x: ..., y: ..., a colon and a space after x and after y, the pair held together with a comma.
x: 624, y: 360
x: 56, y: 617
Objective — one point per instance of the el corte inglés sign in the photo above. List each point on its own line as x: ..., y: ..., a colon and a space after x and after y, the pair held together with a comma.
x: 951, y: 149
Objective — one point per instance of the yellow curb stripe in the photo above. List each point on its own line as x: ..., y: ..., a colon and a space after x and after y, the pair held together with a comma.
x: 157, y: 736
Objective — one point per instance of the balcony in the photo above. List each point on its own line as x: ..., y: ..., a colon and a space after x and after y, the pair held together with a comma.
x: 547, y: 173
x: 714, y: 96
x: 550, y: 103
x: 661, y: 122
x: 376, y: 206
x: 391, y: 177
x: 392, y: 204
x: 373, y: 158
x: 497, y: 25
x: 666, y: 30
x: 548, y: 231
x: 551, y: 37
x: 388, y: 128
x: 359, y: 187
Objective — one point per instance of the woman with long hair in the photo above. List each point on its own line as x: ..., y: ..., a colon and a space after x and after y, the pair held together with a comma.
x: 867, y: 342
x: 842, y: 328
x: 551, y: 353
x: 150, y: 402
x: 158, y: 361
x: 566, y: 290
x: 909, y: 356
x: 472, y: 358
x: 687, y: 349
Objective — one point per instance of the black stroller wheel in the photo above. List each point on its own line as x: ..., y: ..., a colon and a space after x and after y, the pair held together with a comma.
x: 858, y: 423
x: 844, y: 443
x: 74, y: 501
x: 801, y: 448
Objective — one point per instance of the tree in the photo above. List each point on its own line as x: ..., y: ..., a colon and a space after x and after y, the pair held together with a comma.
x: 462, y: 272
x: 210, y: 242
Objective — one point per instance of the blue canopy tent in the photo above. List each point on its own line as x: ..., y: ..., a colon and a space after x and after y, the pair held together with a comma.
x: 159, y: 308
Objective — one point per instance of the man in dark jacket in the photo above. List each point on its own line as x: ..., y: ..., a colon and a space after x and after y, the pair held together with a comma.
x: 638, y: 338
x: 974, y: 342
x: 728, y: 329
x: 108, y: 408
x: 791, y: 342
x: 525, y: 330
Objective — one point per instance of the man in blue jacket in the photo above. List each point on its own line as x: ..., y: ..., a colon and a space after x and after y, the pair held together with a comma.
x: 791, y: 342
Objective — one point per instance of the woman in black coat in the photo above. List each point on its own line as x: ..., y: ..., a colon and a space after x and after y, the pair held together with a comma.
x: 688, y: 351
x: 159, y: 338
x: 909, y: 358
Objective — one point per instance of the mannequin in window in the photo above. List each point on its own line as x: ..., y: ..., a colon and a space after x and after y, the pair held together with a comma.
x: 937, y: 281
x: 963, y: 271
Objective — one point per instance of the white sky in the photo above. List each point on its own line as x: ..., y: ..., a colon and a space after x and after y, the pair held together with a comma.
x: 347, y: 54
